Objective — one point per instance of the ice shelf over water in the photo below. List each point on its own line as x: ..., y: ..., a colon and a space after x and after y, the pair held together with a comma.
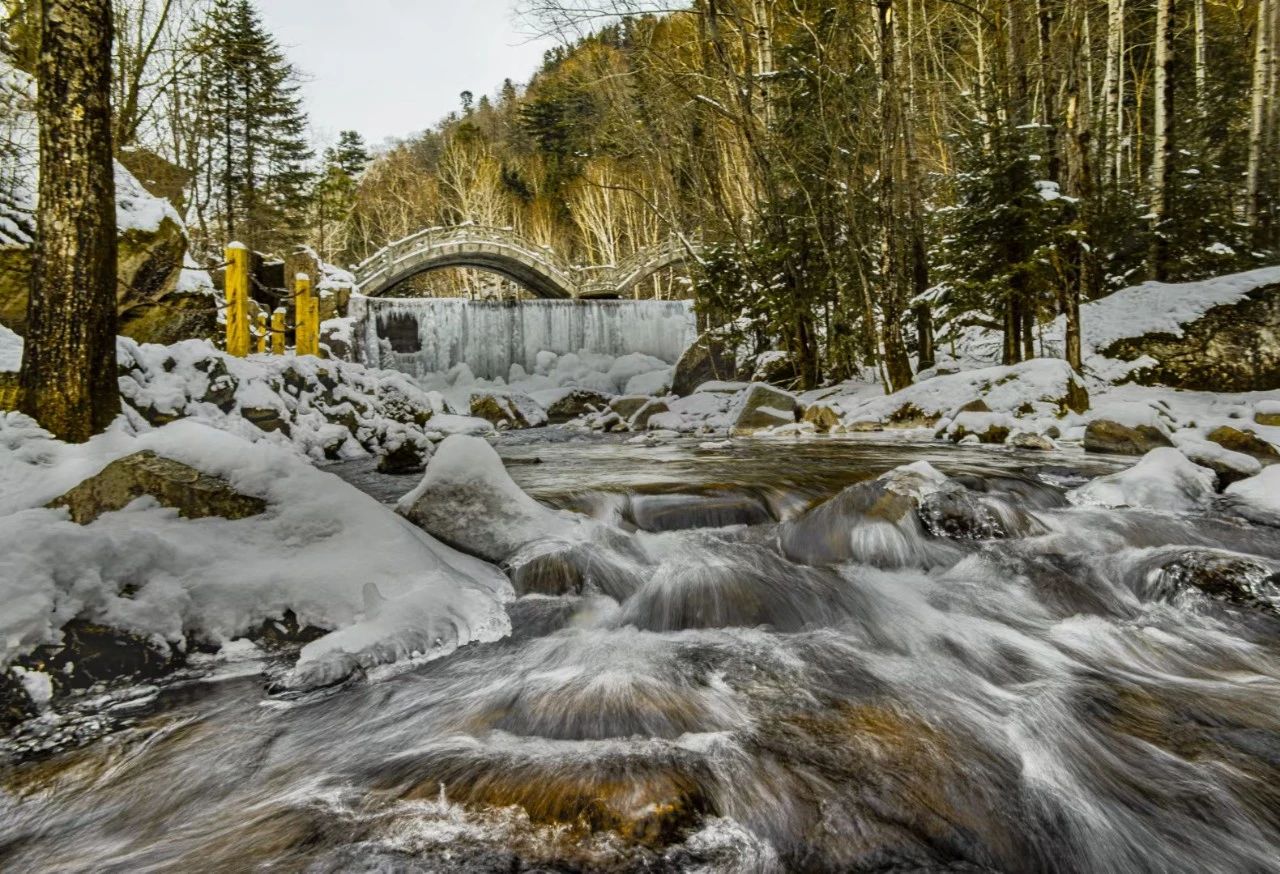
x: 419, y: 336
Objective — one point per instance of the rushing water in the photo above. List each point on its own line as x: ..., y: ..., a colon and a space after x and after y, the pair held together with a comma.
x: 1052, y: 699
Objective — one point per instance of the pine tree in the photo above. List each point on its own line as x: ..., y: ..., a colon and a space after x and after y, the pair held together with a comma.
x: 257, y: 129
x: 334, y: 193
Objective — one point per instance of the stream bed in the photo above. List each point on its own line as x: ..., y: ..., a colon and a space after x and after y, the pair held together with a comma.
x: 722, y: 688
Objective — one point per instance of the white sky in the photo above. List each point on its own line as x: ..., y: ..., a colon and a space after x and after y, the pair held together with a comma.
x: 389, y: 68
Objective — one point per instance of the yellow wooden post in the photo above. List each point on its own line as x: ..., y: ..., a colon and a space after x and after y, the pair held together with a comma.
x: 262, y: 332
x: 237, y: 284
x: 277, y: 331
x: 306, y: 312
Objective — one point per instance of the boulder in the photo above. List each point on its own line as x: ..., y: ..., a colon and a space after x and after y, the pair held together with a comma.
x: 708, y: 358
x: 1235, y: 579
x: 1104, y: 435
x: 1028, y: 440
x: 627, y: 406
x: 776, y: 368
x: 1233, y: 347
x: 763, y: 406
x: 507, y: 410
x: 335, y: 336
x: 822, y: 417
x: 149, y: 305
x: 640, y: 419
x: 1267, y: 413
x: 468, y: 500
x: 15, y: 704
x: 403, y: 459
x: 266, y: 419
x: 993, y: 428
x: 1245, y: 442
x: 576, y: 404
x: 92, y: 653
x: 173, y: 484
x: 8, y: 390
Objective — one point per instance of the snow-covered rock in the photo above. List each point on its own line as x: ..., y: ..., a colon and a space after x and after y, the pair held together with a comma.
x: 160, y: 297
x: 1039, y: 388
x: 762, y: 406
x: 1258, y: 498
x: 468, y: 500
x: 1210, y: 334
x: 324, y: 409
x: 148, y: 571
x: 1164, y: 479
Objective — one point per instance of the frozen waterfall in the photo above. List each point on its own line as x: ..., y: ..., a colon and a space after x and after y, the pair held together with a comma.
x: 428, y: 335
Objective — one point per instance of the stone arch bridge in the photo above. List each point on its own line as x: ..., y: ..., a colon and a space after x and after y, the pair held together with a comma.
x: 507, y: 253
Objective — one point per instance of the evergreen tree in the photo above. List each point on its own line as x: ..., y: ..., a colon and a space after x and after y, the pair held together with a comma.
x: 257, y: 129
x: 334, y: 193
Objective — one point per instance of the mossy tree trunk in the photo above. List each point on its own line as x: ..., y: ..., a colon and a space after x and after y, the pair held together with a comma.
x: 68, y: 375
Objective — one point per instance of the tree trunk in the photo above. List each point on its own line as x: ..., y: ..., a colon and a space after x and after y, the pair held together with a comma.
x: 1111, y: 141
x: 1202, y: 70
x: 1263, y: 71
x: 897, y: 234
x: 68, y: 377
x: 1162, y: 133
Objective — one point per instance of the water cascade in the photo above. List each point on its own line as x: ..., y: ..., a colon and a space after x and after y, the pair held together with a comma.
x: 427, y: 335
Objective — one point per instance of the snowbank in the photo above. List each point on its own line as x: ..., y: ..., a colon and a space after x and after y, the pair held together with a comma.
x: 147, y: 571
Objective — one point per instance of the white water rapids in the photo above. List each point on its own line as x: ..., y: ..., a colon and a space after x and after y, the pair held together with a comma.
x: 753, y: 668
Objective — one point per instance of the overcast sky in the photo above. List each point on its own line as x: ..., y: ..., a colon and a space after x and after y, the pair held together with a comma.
x: 389, y: 68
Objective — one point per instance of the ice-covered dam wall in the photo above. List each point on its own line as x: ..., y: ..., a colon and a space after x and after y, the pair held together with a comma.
x: 426, y: 335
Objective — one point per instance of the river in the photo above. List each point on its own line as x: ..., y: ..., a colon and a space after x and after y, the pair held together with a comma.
x: 1053, y: 699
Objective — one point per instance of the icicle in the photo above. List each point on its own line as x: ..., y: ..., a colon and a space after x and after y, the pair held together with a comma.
x: 431, y: 335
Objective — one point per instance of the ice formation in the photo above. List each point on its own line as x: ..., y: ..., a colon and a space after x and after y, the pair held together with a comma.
x: 433, y: 335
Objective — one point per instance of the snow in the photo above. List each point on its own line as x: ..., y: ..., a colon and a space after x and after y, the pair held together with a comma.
x: 1149, y: 308
x: 467, y: 498
x: 1260, y: 493
x: 10, y: 350
x: 364, y: 411
x: 1164, y: 479
x: 313, y: 551
x: 38, y: 685
x: 137, y: 209
x: 193, y: 279
x: 1038, y: 384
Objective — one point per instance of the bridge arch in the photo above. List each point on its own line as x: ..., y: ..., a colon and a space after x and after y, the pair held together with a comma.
x: 505, y: 252
x: 499, y: 250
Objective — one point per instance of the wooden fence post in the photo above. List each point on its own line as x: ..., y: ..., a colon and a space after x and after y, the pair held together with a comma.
x: 262, y: 332
x: 237, y: 285
x: 305, y: 313
x: 277, y: 331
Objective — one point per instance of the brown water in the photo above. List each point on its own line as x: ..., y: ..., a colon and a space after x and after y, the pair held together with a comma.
x: 788, y: 693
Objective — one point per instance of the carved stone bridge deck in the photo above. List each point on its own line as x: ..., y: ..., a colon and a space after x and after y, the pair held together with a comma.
x: 506, y: 252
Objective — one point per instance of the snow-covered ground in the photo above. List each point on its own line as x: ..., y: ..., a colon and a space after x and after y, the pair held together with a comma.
x: 1149, y: 308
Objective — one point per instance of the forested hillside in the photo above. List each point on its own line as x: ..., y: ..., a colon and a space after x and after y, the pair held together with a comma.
x: 864, y: 170
x: 862, y: 180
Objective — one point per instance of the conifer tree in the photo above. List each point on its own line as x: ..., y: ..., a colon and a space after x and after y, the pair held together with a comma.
x: 253, y: 118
